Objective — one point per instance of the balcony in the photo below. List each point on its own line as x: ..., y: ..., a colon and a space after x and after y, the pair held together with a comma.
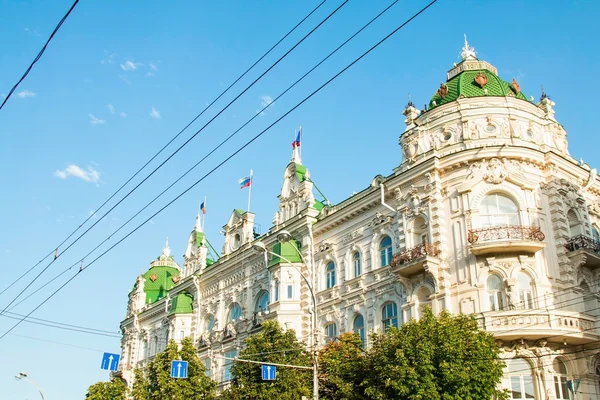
x: 422, y: 258
x: 584, y: 251
x: 556, y: 325
x: 506, y: 239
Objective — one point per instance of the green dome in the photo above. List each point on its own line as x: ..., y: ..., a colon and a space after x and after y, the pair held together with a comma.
x: 161, y: 277
x: 182, y: 304
x: 464, y: 85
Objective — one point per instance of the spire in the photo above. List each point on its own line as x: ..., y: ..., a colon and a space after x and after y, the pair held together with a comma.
x: 296, y: 156
x: 468, y: 52
x: 198, y: 226
x: 167, y: 250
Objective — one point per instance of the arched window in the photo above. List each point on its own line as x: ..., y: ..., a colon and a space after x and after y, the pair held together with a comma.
x: 330, y: 275
x: 560, y: 380
x: 385, y: 251
x: 330, y: 332
x: 235, y: 313
x: 498, y: 210
x: 596, y: 235
x: 423, y: 299
x: 419, y: 232
x: 358, y: 326
x: 357, y: 264
x: 521, y: 379
x: 525, y: 291
x: 389, y: 316
x: 262, y: 302
x: 209, y: 323
x: 495, y: 293
x: 575, y: 227
x: 276, y: 287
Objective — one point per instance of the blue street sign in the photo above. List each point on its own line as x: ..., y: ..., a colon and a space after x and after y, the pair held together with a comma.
x: 179, y: 369
x: 110, y: 361
x: 268, y: 372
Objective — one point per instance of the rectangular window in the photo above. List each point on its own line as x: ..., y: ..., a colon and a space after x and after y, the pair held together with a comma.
x: 207, y: 370
x: 515, y: 386
x: 290, y: 292
x: 227, y: 376
x: 181, y: 335
x: 276, y: 291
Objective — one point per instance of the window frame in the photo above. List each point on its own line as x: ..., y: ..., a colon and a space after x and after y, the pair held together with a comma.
x: 234, y: 306
x: 385, y: 252
x: 357, y: 264
x: 360, y: 330
x: 387, y: 321
x: 328, y: 334
x: 494, y: 219
x: 260, y: 300
x: 524, y: 377
x: 495, y: 297
x: 330, y: 276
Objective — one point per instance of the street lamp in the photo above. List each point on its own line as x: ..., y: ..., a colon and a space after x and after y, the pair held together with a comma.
x: 283, y: 237
x: 23, y: 376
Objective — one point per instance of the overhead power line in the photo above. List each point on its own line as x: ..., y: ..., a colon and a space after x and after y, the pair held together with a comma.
x: 213, y: 150
x: 61, y: 325
x: 226, y: 160
x: 37, y: 58
x: 172, y: 155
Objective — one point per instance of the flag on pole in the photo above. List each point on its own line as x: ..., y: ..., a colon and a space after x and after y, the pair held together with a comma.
x: 245, y: 182
x: 203, y: 208
x: 296, y: 143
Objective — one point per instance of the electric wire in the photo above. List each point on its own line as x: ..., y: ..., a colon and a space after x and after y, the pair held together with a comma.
x: 41, y: 52
x: 56, y: 342
x: 35, y: 320
x: 93, y: 214
x: 175, y: 152
x: 219, y: 145
x: 113, y: 335
x: 229, y: 157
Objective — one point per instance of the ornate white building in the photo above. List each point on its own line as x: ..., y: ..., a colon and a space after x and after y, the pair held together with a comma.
x: 487, y: 214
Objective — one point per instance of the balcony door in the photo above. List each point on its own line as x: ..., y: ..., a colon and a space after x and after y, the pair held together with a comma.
x: 498, y: 210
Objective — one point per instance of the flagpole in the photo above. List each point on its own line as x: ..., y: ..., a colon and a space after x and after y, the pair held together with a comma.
x: 250, y: 191
x: 300, y: 142
x: 203, y: 214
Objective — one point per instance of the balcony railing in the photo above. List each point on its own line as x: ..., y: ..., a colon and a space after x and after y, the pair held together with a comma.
x: 583, y: 242
x: 415, y: 253
x: 496, y: 233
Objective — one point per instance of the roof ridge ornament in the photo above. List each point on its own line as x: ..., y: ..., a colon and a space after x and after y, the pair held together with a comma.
x: 468, y: 52
x: 166, y: 250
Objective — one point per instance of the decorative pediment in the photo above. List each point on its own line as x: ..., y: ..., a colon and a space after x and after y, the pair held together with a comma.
x: 379, y: 220
x: 325, y: 247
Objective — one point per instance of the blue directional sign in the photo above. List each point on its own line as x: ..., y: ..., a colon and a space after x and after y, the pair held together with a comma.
x: 268, y: 372
x: 179, y: 369
x: 110, y: 361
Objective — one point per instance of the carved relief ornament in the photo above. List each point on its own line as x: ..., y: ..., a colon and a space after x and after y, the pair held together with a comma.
x: 495, y: 171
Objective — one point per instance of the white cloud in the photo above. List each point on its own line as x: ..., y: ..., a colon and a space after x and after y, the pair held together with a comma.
x: 155, y: 114
x: 264, y: 101
x: 130, y: 66
x: 91, y: 175
x: 153, y: 67
x: 122, y: 114
x: 25, y: 93
x: 124, y: 79
x: 96, y: 121
x: 111, y: 108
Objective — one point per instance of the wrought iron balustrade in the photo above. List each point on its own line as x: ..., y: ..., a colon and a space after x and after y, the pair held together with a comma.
x: 415, y: 253
x: 583, y: 242
x: 509, y: 232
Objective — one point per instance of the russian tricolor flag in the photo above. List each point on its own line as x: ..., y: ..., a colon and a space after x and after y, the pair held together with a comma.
x: 296, y: 143
x: 245, y: 182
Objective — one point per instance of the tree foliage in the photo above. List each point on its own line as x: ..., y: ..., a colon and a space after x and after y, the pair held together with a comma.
x: 271, y: 345
x: 115, y: 389
x: 436, y: 358
x: 342, y: 367
x: 158, y: 384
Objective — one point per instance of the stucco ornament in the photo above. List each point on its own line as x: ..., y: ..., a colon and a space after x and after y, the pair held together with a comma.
x: 495, y: 171
x: 410, y: 150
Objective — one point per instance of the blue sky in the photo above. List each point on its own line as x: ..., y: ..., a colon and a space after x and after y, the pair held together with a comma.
x: 121, y: 78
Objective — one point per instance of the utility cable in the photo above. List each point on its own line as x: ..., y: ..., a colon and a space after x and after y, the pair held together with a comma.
x: 37, y: 58
x: 229, y: 158
x: 55, y: 342
x: 219, y: 146
x: 113, y: 335
x: 36, y: 320
x: 176, y: 151
x: 93, y: 214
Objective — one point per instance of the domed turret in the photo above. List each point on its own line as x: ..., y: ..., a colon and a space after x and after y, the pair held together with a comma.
x: 473, y: 78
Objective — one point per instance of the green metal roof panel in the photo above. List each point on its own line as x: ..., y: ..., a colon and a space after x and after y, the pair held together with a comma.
x: 464, y: 85
x: 159, y: 280
x: 286, y: 252
x: 199, y: 238
x: 300, y: 172
x: 182, y: 304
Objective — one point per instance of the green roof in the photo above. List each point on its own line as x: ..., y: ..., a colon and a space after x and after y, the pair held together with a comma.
x: 284, y: 252
x: 182, y: 304
x: 159, y: 280
x: 300, y: 172
x: 199, y: 238
x: 209, y: 262
x: 464, y: 85
x: 318, y: 206
x: 241, y: 212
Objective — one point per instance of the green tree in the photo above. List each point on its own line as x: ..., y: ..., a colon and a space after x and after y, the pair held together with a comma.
x: 271, y: 345
x: 436, y: 358
x: 115, y: 389
x: 342, y: 368
x: 158, y: 384
x: 140, y: 386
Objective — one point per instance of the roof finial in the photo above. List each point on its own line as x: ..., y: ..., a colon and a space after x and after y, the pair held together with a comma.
x: 296, y: 157
x: 468, y: 52
x: 544, y: 95
x: 410, y: 103
x: 167, y: 250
